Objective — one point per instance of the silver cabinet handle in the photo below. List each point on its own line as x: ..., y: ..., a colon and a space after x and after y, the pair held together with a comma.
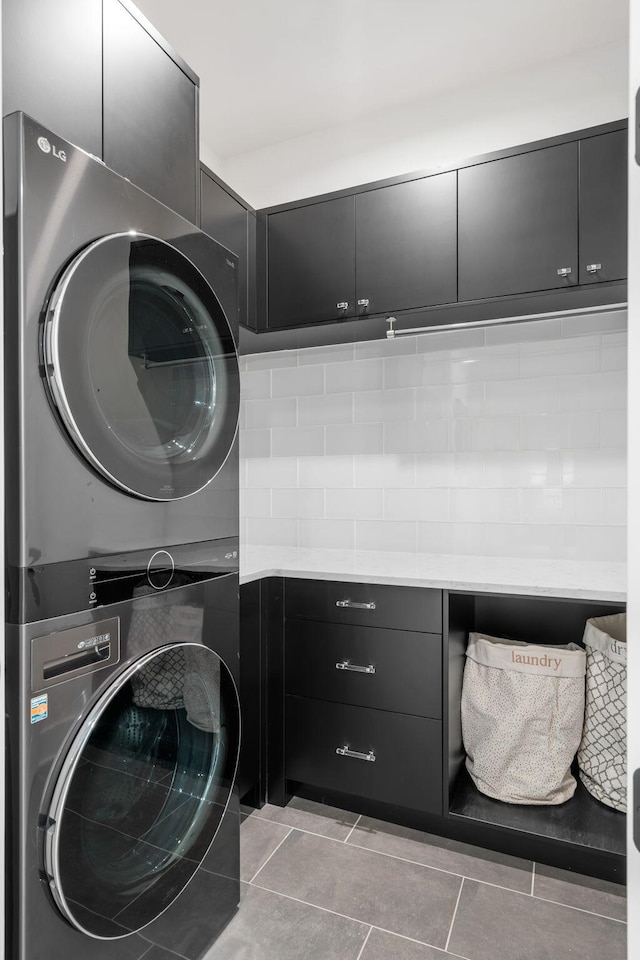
x: 564, y: 271
x: 355, y: 605
x: 343, y: 305
x: 593, y: 267
x: 363, y: 303
x: 354, y: 667
x: 345, y: 752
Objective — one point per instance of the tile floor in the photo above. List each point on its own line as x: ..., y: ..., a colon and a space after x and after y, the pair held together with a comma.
x: 324, y: 884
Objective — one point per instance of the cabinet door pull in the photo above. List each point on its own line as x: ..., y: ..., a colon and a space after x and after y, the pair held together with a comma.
x: 593, y: 267
x: 564, y: 271
x: 345, y: 752
x: 355, y: 667
x: 343, y: 305
x: 363, y: 303
x: 355, y: 605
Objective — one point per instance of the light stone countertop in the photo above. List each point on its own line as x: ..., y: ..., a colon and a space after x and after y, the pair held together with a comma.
x: 579, y: 580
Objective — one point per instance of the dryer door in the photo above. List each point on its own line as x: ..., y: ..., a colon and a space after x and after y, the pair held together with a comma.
x: 142, y: 791
x: 142, y: 366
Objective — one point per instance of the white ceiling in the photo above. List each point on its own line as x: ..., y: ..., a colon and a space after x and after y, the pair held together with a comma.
x: 272, y: 70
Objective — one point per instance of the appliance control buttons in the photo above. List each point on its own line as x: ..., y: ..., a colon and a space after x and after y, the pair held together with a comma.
x: 160, y: 569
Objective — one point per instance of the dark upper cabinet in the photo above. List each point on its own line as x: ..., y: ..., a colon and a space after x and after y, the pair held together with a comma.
x: 311, y: 263
x: 518, y: 223
x: 149, y: 110
x: 233, y: 224
x: 603, y: 207
x: 406, y: 245
x: 52, y: 66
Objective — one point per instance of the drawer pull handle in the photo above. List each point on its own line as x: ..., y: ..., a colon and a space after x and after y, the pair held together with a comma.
x: 355, y: 605
x: 355, y: 667
x: 345, y: 752
x: 593, y: 267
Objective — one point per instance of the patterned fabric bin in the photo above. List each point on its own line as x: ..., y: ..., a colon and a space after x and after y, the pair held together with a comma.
x: 602, y: 758
x: 522, y: 715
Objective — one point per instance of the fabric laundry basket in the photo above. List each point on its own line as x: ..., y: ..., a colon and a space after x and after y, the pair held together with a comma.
x: 522, y: 715
x: 602, y: 754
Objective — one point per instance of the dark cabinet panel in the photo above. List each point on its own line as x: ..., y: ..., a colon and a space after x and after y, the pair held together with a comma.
x: 383, y: 669
x: 603, y: 207
x: 250, y: 691
x: 52, y: 66
x: 367, y: 604
x: 518, y: 223
x: 311, y: 263
x: 406, y: 245
x: 406, y: 771
x: 230, y: 223
x: 150, y: 113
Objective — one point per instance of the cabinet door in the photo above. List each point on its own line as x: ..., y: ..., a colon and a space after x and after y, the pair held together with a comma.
x: 230, y: 223
x: 52, y: 66
x: 311, y: 263
x: 150, y: 111
x: 603, y: 207
x: 518, y: 223
x: 406, y: 245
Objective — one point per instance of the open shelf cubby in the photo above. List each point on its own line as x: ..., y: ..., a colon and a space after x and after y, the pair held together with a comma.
x: 581, y: 822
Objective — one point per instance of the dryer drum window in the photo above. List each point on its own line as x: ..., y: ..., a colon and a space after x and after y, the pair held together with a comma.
x: 142, y: 367
x: 142, y: 791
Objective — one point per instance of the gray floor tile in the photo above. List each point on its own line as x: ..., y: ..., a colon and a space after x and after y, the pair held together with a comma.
x: 587, y: 893
x: 400, y: 897
x: 314, y: 817
x: 387, y: 946
x: 494, y: 924
x: 270, y: 927
x: 258, y: 839
x: 460, y: 858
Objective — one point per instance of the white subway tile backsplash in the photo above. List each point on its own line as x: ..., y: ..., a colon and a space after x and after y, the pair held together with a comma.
x: 582, y: 505
x: 381, y: 405
x: 354, y: 438
x: 388, y: 535
x: 297, y: 442
x: 508, y: 440
x: 484, y: 433
x: 416, y: 436
x: 484, y: 506
x: 328, y: 408
x: 271, y: 413
x: 297, y: 381
x: 336, y: 534
x: 305, y: 504
x: 326, y: 472
x: 594, y: 542
x: 355, y: 376
x: 354, y: 504
x: 416, y: 504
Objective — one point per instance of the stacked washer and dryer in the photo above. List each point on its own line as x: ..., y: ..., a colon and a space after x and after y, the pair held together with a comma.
x: 121, y: 410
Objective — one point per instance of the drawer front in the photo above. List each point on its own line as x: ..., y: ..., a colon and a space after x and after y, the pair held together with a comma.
x: 369, y: 605
x: 384, y: 669
x: 407, y: 769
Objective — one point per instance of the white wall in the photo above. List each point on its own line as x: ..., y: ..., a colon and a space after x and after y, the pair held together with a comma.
x: 507, y: 441
x: 557, y: 97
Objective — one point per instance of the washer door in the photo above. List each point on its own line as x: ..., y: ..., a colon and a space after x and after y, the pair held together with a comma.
x: 142, y: 791
x: 142, y: 366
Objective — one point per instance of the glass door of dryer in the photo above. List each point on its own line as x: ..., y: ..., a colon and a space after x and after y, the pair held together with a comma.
x: 142, y: 367
x: 142, y: 790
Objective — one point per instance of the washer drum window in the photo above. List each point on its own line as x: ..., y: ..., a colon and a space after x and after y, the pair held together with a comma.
x: 142, y: 367
x: 142, y: 791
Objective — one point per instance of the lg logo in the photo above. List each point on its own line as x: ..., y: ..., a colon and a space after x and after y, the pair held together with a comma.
x: 46, y: 147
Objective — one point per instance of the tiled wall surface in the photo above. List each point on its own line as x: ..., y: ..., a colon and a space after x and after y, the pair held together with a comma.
x: 503, y: 441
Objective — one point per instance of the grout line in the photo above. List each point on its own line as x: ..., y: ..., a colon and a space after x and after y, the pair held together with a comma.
x: 365, y: 943
x: 346, y: 840
x: 270, y: 855
x: 453, y: 918
x: 591, y: 913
